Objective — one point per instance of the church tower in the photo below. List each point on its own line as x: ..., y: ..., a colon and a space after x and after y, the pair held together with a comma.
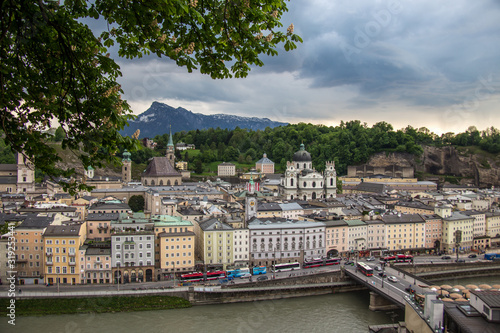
x: 126, y: 167
x: 25, y: 174
x: 251, y: 201
x: 330, y: 175
x: 171, y: 149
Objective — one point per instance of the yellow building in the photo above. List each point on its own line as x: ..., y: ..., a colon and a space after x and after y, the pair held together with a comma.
x: 458, y: 222
x: 215, y: 244
x: 175, y: 241
x: 404, y: 232
x: 62, y: 256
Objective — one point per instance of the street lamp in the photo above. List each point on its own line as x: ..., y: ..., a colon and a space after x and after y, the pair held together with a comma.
x: 174, y: 273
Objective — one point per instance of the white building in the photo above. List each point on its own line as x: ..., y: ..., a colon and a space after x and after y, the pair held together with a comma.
x: 241, y: 247
x: 302, y: 181
x: 133, y: 255
x: 279, y: 240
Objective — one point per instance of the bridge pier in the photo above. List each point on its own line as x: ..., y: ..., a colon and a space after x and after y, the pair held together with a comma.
x: 380, y: 303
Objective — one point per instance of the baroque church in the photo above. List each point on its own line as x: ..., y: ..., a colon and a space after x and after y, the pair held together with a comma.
x: 301, y: 181
x: 160, y: 170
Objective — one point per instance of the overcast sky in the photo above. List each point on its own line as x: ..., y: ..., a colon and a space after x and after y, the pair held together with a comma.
x: 421, y: 63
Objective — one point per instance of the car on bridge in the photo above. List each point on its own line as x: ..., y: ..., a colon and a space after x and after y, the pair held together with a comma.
x: 370, y: 259
x: 349, y: 263
x: 262, y: 278
x: 445, y: 257
x: 378, y: 268
x: 245, y: 275
x: 473, y: 255
x: 392, y: 279
x: 382, y: 274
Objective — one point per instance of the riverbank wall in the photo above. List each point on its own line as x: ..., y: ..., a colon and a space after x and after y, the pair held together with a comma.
x: 444, y: 271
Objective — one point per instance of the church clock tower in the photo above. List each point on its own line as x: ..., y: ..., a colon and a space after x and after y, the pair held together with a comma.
x: 250, y: 201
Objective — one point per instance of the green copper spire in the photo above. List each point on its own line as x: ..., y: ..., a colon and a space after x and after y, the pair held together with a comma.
x: 126, y: 156
x: 170, y: 140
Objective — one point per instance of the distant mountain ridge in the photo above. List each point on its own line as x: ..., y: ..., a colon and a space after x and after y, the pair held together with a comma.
x: 157, y: 119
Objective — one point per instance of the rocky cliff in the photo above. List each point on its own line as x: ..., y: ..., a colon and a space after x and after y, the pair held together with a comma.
x: 469, y: 166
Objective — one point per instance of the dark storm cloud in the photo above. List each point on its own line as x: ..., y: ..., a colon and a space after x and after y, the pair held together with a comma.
x: 407, y: 61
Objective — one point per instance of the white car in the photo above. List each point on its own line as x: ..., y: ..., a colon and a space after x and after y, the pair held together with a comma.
x: 392, y: 279
x: 245, y: 275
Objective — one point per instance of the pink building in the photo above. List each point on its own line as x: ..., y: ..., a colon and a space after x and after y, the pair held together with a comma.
x: 265, y: 165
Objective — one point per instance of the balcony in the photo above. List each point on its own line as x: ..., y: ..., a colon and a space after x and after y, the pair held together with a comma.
x: 48, y: 254
x: 49, y: 263
x: 72, y: 263
x: 71, y: 254
x: 102, y: 227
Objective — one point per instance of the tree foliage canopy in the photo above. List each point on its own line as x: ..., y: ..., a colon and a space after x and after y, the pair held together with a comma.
x: 54, y: 71
x: 349, y: 143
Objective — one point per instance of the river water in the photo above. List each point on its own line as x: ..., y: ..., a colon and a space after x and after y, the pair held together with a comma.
x: 344, y: 312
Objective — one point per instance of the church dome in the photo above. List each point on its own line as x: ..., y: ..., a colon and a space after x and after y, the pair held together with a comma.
x: 302, y: 155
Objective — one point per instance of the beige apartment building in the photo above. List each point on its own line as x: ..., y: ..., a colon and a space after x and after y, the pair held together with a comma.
x: 404, y: 232
x: 226, y: 169
x: 336, y: 234
x: 29, y: 248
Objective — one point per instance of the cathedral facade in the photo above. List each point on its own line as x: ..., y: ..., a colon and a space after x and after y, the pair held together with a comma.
x: 301, y: 181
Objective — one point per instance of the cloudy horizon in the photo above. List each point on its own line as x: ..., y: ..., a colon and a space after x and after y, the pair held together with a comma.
x: 425, y: 64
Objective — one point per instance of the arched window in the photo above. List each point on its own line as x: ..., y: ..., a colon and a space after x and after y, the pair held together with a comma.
x: 314, y: 195
x: 314, y: 184
x: 176, y: 182
x: 168, y: 182
x: 291, y: 181
x: 145, y: 182
x: 331, y: 181
x: 305, y: 184
x: 152, y: 183
x: 161, y: 182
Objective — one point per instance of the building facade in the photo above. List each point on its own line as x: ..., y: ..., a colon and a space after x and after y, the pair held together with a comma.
x: 278, y: 240
x: 226, y: 169
x: 301, y: 181
x: 265, y: 165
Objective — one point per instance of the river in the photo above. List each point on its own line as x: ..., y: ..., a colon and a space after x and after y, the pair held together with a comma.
x: 344, y: 312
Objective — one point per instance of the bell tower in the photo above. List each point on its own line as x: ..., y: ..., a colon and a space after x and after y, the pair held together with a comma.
x: 25, y: 174
x: 171, y: 149
x: 126, y: 167
x: 250, y: 201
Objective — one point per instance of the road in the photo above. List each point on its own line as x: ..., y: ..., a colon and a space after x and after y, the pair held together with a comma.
x: 403, y: 282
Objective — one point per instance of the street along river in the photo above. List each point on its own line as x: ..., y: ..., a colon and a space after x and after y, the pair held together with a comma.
x: 345, y: 312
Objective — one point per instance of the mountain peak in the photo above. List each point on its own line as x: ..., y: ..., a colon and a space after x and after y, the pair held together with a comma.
x: 157, y: 119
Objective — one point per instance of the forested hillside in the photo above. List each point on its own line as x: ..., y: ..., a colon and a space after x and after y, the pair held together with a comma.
x: 349, y: 143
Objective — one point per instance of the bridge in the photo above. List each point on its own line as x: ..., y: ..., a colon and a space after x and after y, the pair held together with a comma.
x: 384, y: 294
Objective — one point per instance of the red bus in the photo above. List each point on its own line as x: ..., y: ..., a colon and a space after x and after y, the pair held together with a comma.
x: 365, y: 269
x: 388, y: 259
x: 198, y: 276
x: 321, y: 262
x: 404, y: 258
